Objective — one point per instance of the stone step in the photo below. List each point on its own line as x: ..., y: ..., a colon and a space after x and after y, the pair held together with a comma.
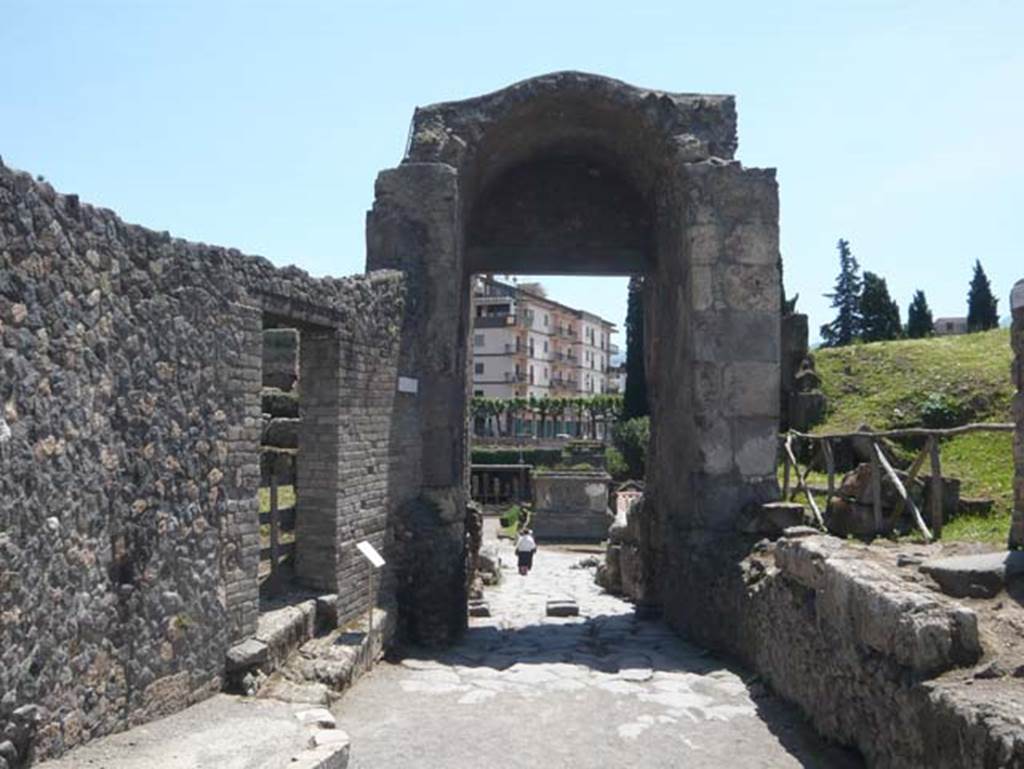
x: 982, y: 575
x: 563, y: 607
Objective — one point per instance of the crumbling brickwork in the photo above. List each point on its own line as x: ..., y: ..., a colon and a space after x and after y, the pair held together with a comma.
x: 129, y: 465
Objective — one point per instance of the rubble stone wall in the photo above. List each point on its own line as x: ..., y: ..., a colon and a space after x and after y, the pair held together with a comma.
x: 872, y: 659
x: 1017, y: 336
x: 129, y: 465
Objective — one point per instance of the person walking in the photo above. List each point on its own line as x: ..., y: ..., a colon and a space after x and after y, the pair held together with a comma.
x: 526, y: 546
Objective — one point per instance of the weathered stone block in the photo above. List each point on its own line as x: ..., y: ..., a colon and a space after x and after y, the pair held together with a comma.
x: 248, y: 654
x: 749, y: 287
x: 753, y: 244
x: 752, y: 389
x: 981, y: 575
x: 756, y: 444
x: 563, y: 608
x: 771, y: 519
x: 702, y: 244
x: 716, y: 447
x: 571, y: 505
x: 735, y: 335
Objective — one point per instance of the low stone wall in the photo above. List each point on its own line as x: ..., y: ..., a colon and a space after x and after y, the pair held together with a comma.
x: 1017, y: 336
x: 570, y: 505
x: 870, y: 658
x: 129, y: 457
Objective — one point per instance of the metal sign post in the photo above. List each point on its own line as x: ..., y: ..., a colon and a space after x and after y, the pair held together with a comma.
x: 376, y: 561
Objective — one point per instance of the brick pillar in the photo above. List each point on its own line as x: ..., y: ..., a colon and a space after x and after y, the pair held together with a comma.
x: 1017, y: 339
x: 319, y: 496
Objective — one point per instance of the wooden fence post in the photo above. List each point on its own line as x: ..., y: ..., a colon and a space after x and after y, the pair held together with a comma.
x: 876, y: 488
x: 785, y: 472
x: 936, y: 487
x: 830, y: 465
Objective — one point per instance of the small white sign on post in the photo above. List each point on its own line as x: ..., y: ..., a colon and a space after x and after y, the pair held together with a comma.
x: 407, y: 384
x: 370, y: 554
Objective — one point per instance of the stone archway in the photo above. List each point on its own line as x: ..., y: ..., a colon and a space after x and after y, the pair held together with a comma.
x: 571, y: 172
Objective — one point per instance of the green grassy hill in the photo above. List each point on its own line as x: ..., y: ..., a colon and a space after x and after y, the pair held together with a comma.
x: 939, y: 381
x: 936, y: 382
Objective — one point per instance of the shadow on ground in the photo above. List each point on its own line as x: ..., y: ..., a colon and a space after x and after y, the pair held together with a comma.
x: 630, y: 653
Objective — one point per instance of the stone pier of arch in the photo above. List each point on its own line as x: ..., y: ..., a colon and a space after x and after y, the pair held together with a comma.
x: 574, y: 173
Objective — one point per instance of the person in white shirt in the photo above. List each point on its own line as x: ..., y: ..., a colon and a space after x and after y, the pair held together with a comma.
x: 526, y: 546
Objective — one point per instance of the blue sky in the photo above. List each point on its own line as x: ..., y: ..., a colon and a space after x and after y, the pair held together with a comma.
x: 896, y: 125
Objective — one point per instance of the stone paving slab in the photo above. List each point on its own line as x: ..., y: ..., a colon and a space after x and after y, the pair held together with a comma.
x: 603, y: 689
x: 980, y: 575
x: 223, y: 732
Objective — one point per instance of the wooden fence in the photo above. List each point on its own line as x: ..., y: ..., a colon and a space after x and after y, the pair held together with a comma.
x: 822, y: 447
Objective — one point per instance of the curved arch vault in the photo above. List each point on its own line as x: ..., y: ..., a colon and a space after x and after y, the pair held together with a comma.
x: 577, y: 173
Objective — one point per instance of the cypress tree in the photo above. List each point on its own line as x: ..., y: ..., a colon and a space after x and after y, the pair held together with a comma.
x: 880, y: 315
x: 982, y: 313
x: 919, y: 317
x: 635, y: 398
x: 846, y: 300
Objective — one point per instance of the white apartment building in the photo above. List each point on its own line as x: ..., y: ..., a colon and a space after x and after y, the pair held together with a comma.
x: 526, y: 344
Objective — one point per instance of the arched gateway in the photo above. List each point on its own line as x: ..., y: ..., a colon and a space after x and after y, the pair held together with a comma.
x: 576, y: 173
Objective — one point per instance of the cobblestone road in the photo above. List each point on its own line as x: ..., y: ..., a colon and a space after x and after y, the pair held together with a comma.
x: 601, y: 690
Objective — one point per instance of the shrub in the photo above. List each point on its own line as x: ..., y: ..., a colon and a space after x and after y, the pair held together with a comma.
x: 617, y: 467
x: 943, y: 410
x: 631, y: 438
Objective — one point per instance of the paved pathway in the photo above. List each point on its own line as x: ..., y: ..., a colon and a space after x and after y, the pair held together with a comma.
x: 601, y: 690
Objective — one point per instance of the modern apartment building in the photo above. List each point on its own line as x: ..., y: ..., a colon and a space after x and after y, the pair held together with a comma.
x: 527, y: 344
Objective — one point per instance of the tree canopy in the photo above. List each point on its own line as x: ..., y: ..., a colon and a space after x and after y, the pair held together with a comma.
x: 879, y: 314
x: 846, y: 301
x: 919, y: 317
x: 982, y: 312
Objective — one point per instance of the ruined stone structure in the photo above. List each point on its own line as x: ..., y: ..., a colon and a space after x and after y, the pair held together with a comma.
x: 802, y: 402
x: 129, y: 460
x: 1017, y: 336
x: 570, y: 505
x: 574, y: 173
x: 131, y: 424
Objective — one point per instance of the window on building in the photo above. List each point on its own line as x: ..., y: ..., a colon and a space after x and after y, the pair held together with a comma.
x: 478, y: 340
x: 478, y: 393
x: 478, y: 368
x: 545, y: 319
x: 545, y: 345
x: 531, y: 374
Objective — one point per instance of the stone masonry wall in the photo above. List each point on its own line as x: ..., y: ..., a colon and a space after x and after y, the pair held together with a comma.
x: 1017, y: 336
x: 130, y: 396
x: 874, y: 660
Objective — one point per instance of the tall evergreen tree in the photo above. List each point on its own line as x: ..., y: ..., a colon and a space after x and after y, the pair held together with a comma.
x: 635, y: 397
x: 919, y: 317
x: 879, y: 314
x: 982, y: 313
x: 846, y: 300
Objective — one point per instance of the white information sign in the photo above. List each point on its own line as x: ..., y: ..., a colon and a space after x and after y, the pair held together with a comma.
x: 370, y: 554
x: 407, y: 384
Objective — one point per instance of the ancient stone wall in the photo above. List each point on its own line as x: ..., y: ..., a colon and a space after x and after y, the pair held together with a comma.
x: 129, y: 463
x: 1017, y: 336
x: 874, y: 660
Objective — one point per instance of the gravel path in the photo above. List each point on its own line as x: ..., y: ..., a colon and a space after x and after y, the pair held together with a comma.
x: 600, y: 690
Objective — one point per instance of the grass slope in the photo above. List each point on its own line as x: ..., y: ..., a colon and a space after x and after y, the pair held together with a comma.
x: 934, y: 382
